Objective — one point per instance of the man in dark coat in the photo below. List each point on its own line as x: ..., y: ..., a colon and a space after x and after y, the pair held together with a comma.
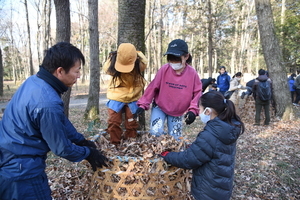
x: 249, y: 86
x: 260, y: 103
x: 207, y: 82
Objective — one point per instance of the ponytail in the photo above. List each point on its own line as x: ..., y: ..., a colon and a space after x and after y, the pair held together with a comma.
x: 111, y: 69
x: 112, y: 58
x: 238, y: 74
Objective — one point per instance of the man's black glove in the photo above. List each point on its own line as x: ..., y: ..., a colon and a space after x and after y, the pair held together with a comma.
x: 138, y: 112
x: 87, y: 143
x: 96, y: 159
x: 189, y: 117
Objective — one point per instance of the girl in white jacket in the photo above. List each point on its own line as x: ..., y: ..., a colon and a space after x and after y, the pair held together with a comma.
x: 235, y: 86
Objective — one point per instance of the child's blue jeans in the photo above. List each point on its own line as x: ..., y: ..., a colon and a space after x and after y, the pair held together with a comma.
x: 158, y: 118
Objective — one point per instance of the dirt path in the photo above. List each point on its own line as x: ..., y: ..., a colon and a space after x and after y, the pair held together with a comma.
x: 79, y: 100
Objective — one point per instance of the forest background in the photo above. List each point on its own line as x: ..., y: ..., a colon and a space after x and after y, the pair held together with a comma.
x: 227, y: 31
x: 218, y: 32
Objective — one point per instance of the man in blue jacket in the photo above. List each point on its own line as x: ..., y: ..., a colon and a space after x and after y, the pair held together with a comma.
x: 34, y: 123
x: 223, y: 80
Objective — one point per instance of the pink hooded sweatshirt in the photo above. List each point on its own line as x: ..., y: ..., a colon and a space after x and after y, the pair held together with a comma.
x: 174, y: 94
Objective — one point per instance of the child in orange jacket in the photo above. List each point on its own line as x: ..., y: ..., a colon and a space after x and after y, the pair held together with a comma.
x: 125, y: 88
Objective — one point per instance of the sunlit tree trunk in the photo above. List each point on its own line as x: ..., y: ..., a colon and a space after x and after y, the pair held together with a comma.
x: 210, y: 40
x: 201, y: 57
x: 31, y: 71
x: 92, y: 109
x: 1, y: 74
x: 149, y: 41
x: 83, y: 21
x: 235, y: 46
x: 283, y: 9
x: 12, y: 50
x: 63, y: 34
x: 47, y: 25
x: 38, y: 32
x: 273, y: 58
x: 159, y: 36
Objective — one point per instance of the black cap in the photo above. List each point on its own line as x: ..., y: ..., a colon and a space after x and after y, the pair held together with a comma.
x: 177, y: 48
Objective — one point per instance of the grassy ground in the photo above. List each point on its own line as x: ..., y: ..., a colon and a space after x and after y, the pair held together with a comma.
x: 267, y: 160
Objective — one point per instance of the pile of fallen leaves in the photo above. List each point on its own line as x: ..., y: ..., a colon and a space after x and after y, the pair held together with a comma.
x: 144, y: 146
x: 267, y: 161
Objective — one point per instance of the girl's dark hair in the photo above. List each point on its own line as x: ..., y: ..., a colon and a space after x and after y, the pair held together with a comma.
x: 238, y: 74
x: 62, y: 54
x: 171, y: 57
x: 225, y: 108
x: 136, y: 72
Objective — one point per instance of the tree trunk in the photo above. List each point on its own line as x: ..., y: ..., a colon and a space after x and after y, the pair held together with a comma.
x: 63, y: 34
x: 159, y: 35
x: 31, y: 71
x: 131, y: 23
x: 1, y: 74
x: 12, y: 50
x: 63, y: 20
x: 149, y: 40
x: 47, y: 25
x: 92, y: 109
x: 83, y: 31
x: 131, y: 28
x: 235, y: 45
x: 210, y: 35
x: 38, y: 32
x: 273, y: 58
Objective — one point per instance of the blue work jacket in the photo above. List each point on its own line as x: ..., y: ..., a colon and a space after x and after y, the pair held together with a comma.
x: 33, y: 124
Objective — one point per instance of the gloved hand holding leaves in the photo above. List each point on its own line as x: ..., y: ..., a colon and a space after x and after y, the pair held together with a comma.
x: 96, y: 159
x: 87, y: 143
x: 138, y: 112
x: 189, y: 117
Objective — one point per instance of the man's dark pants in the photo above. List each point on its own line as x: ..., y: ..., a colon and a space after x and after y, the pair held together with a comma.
x: 258, y: 106
x: 36, y: 188
x: 298, y: 96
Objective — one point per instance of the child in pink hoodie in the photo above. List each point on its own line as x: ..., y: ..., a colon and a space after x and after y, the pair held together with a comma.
x: 176, y: 89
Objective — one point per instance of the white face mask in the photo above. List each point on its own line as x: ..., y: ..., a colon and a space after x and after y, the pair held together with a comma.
x: 205, y: 118
x: 176, y: 66
x: 238, y: 79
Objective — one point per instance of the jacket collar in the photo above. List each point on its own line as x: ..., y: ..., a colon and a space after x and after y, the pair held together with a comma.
x: 51, y: 80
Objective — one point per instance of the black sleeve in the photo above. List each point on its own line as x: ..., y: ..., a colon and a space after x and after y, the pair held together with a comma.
x: 205, y: 83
